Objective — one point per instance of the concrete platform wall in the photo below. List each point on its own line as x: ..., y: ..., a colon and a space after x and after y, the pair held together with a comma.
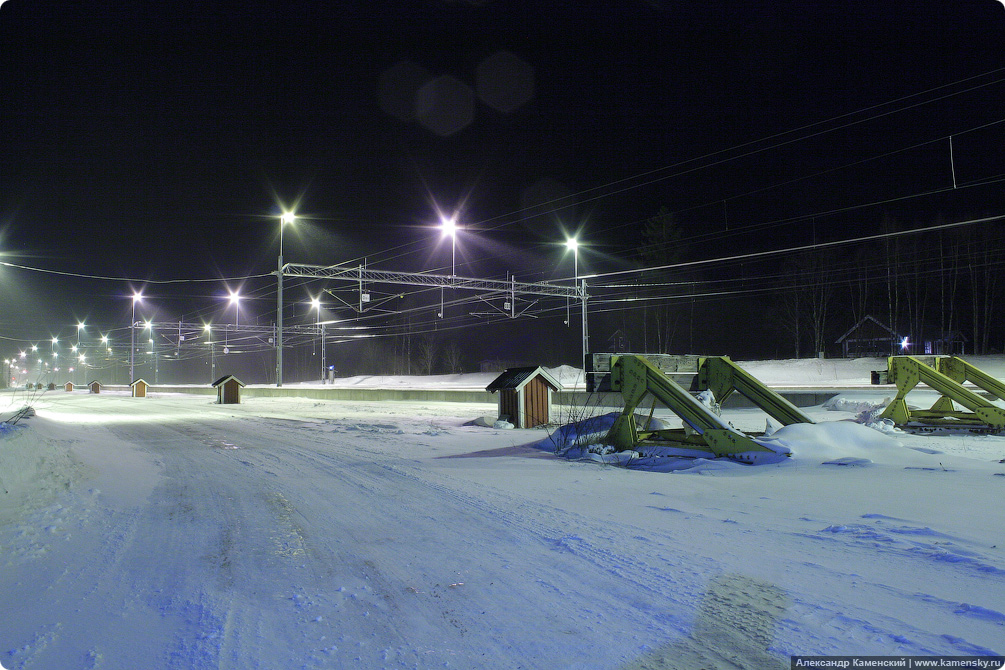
x: 799, y: 398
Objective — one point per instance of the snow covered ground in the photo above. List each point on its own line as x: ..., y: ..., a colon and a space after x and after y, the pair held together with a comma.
x: 170, y: 532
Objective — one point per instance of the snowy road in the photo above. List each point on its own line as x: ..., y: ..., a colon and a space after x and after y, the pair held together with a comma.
x: 174, y: 533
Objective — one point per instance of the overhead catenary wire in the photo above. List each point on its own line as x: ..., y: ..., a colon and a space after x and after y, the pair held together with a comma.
x: 267, y: 290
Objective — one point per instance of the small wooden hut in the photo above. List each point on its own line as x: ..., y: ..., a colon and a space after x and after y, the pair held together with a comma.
x: 228, y: 390
x: 139, y: 388
x: 525, y: 396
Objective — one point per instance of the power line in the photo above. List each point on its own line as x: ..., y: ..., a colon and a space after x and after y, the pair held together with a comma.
x: 805, y: 247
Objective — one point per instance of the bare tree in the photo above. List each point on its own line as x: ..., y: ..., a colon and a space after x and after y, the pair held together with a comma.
x: 425, y: 352
x: 889, y: 225
x: 820, y: 294
x: 808, y: 300
x: 791, y: 317
x: 984, y: 268
x: 452, y: 357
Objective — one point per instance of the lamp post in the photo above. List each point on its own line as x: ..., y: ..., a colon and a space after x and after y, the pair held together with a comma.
x: 573, y: 244
x: 287, y: 217
x: 316, y: 304
x: 132, y: 338
x: 449, y: 226
x: 153, y: 350
x: 212, y: 352
x: 235, y: 300
x: 80, y: 349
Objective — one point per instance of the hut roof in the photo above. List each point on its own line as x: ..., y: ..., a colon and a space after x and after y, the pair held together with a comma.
x: 517, y: 378
x: 868, y: 328
x: 223, y: 380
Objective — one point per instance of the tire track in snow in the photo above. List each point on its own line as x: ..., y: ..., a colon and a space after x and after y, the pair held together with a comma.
x: 549, y: 528
x: 877, y: 631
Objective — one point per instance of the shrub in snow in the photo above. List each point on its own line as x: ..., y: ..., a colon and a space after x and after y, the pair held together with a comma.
x: 502, y: 425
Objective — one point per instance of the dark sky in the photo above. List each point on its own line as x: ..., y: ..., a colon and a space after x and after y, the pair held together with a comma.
x: 158, y: 141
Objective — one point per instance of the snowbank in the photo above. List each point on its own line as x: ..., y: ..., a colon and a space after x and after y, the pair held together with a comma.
x: 33, y: 471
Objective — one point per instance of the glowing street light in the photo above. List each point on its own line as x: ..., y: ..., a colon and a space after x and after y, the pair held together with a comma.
x: 137, y: 297
x: 286, y: 218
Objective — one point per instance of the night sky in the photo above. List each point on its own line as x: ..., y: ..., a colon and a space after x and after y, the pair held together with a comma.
x: 151, y: 142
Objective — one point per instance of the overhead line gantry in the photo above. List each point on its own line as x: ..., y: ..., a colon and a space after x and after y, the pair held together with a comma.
x: 487, y: 288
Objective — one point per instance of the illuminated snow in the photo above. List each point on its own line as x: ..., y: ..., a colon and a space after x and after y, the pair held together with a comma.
x: 170, y: 532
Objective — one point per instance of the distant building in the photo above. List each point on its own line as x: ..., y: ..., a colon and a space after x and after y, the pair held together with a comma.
x: 618, y: 342
x: 499, y: 365
x: 869, y: 338
x: 951, y: 343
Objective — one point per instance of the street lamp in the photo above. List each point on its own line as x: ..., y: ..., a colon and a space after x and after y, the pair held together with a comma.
x: 286, y: 218
x: 137, y: 297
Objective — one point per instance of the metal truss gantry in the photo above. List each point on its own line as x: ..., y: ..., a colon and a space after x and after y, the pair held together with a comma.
x: 486, y: 288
